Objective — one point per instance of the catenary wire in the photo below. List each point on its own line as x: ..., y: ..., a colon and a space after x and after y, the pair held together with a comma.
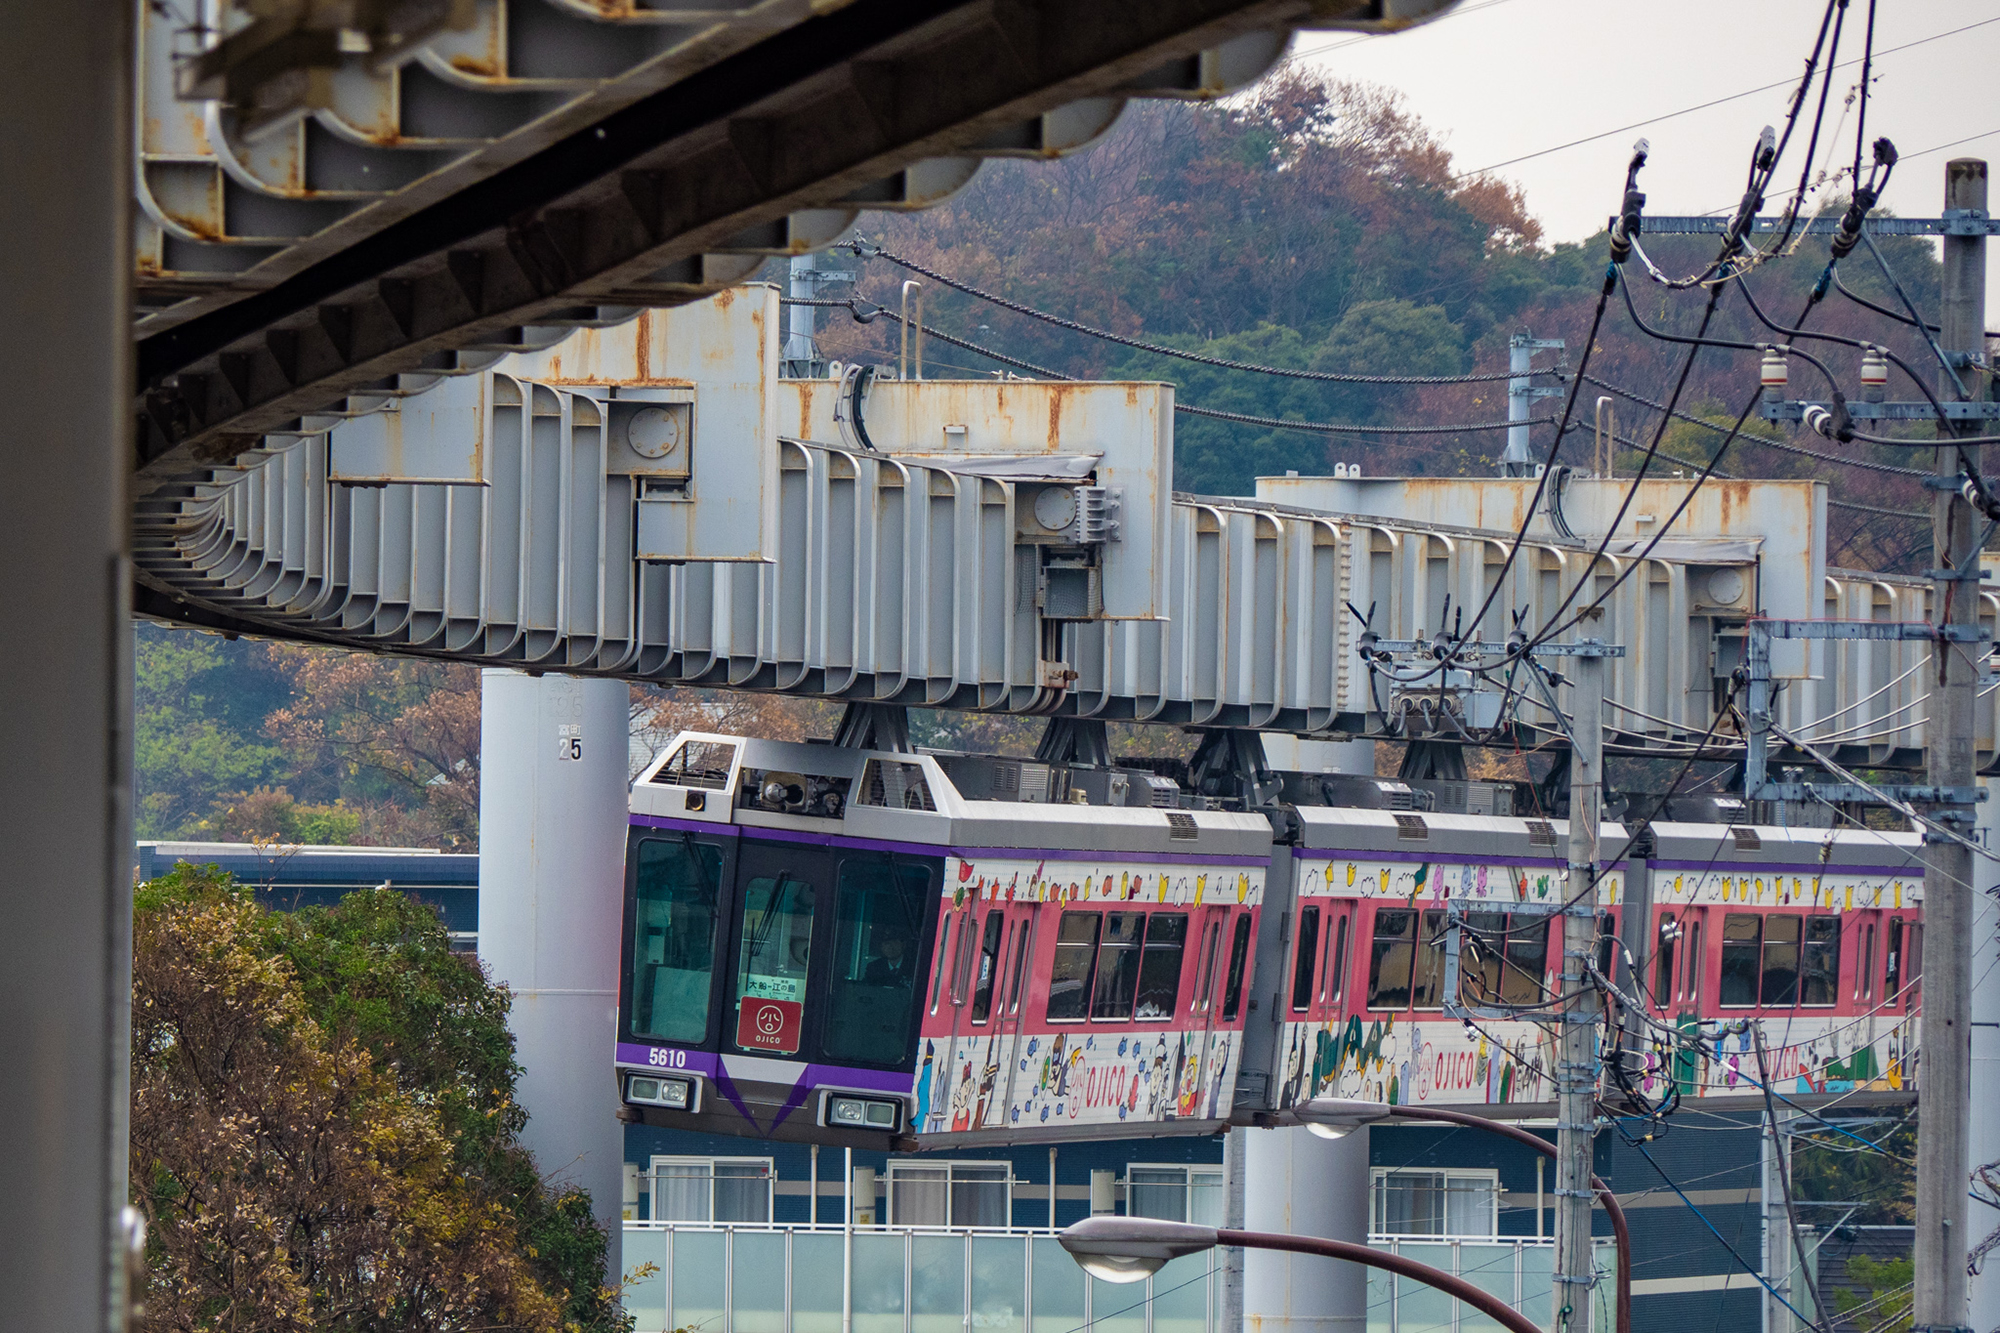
x: 868, y: 250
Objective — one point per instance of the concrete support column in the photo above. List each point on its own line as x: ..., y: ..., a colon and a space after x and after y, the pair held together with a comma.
x: 551, y: 875
x: 1302, y: 1185
x: 1984, y: 1291
x: 66, y: 719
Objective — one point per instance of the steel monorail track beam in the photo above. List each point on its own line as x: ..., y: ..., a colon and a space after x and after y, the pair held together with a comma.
x: 753, y: 155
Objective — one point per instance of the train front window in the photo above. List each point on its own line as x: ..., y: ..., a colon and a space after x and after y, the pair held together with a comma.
x: 1742, y: 938
x: 1819, y: 972
x: 877, y: 953
x: 1160, y: 970
x: 1076, y: 958
x: 772, y: 963
x: 673, y: 939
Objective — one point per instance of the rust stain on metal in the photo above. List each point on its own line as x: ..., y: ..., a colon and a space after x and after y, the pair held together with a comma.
x: 487, y: 68
x: 642, y: 342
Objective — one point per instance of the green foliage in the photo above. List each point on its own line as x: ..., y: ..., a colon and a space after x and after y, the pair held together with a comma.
x: 376, y: 972
x: 1833, y: 1166
x: 1886, y: 1306
x: 199, y: 710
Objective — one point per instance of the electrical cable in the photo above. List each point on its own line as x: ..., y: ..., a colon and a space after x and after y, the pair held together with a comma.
x: 1747, y: 1266
x: 864, y: 313
x: 1770, y: 441
x: 1883, y: 310
x: 869, y: 250
x: 1882, y: 262
x: 1785, y: 1176
x: 1743, y: 285
x: 1703, y: 106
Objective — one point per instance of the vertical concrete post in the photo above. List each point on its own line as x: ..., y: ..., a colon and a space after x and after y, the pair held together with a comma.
x: 1984, y: 1290
x: 1299, y: 1184
x: 65, y: 799
x: 1293, y: 1181
x: 551, y: 877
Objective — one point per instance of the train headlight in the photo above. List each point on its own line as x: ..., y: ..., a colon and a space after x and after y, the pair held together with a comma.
x: 863, y: 1113
x: 676, y: 1094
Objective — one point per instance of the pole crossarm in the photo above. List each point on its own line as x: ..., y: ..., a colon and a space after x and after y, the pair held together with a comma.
x: 1757, y: 785
x: 1952, y: 222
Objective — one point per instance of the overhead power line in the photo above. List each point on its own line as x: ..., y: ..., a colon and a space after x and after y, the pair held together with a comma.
x: 1703, y: 106
x: 853, y: 307
x: 870, y: 251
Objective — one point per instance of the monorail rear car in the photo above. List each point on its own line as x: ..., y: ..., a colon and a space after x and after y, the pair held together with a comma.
x: 914, y: 950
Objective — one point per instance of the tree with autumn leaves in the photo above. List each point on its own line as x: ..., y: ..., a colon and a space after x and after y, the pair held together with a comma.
x: 324, y: 1133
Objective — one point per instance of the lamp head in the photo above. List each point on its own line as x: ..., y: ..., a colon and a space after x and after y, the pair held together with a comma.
x: 1337, y: 1117
x: 1131, y: 1249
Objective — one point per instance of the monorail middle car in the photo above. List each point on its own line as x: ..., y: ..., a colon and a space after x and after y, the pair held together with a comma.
x: 849, y: 946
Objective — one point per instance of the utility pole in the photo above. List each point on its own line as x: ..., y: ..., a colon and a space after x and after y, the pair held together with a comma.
x: 1519, y: 459
x: 1944, y: 1091
x: 1577, y: 1062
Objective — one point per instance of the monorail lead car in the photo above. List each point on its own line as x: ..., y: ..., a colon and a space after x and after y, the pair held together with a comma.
x: 915, y: 950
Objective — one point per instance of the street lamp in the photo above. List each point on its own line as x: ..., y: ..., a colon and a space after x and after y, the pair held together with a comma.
x: 1337, y: 1117
x: 1130, y: 1249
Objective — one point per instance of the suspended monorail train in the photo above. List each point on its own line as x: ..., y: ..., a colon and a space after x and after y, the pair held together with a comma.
x: 910, y: 950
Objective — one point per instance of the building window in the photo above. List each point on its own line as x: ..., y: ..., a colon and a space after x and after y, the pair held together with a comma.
x: 711, y: 1189
x: 1175, y: 1193
x: 950, y: 1194
x: 1434, y: 1203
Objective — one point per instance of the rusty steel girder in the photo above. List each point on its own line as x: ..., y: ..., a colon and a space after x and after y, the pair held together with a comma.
x: 562, y: 164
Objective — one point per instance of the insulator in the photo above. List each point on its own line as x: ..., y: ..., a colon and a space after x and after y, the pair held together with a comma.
x: 1776, y: 372
x: 1874, y: 374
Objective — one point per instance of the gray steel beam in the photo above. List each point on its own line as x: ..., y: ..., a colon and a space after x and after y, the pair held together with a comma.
x: 621, y: 214
x: 65, y: 799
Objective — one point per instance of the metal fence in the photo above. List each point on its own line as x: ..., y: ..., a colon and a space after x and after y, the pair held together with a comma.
x: 753, y: 1278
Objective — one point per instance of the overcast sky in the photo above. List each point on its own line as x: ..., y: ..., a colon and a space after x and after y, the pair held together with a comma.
x: 1501, y: 79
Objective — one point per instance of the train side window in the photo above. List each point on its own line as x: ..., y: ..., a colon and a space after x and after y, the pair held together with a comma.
x: 1019, y: 968
x: 1742, y: 940
x: 1527, y: 959
x: 1390, y: 956
x: 961, y: 963
x: 1336, y: 961
x: 1204, y: 986
x: 1916, y: 964
x: 1819, y: 970
x: 937, y: 969
x: 1117, y: 965
x: 1892, y: 981
x: 1304, y: 956
x: 1239, y: 957
x: 1076, y: 961
x: 1480, y: 960
x: 1607, y: 940
x: 1427, y: 986
x: 776, y: 953
x: 1780, y: 987
x: 878, y: 921
x: 989, y: 966
x: 1864, y: 973
x: 1160, y: 965
x: 1691, y: 975
x: 673, y: 939
x: 1663, y: 960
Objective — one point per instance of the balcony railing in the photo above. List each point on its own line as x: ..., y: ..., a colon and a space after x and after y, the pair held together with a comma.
x: 758, y: 1278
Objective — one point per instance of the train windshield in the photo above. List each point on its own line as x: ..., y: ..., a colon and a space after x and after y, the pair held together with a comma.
x: 673, y: 939
x: 877, y: 953
x: 772, y: 963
